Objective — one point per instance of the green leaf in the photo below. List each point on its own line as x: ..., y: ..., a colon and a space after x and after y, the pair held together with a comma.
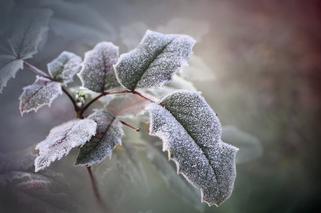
x: 98, y: 73
x: 154, y: 61
x: 42, y: 92
x: 65, y: 67
x: 62, y: 139
x: 191, y: 133
x: 108, y: 136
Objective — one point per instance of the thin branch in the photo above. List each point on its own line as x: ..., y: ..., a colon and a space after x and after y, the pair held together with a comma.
x: 142, y: 96
x: 98, y: 97
x: 130, y: 126
x: 36, y: 70
x: 91, y: 102
x: 113, y: 93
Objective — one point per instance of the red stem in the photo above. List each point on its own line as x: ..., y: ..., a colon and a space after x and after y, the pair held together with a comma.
x: 112, y: 93
x: 98, y: 97
x: 130, y: 126
x: 142, y: 96
x: 80, y: 112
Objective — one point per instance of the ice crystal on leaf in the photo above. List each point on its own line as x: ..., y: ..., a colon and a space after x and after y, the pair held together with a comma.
x: 191, y: 133
x: 97, y: 73
x: 190, y: 130
x: 62, y: 139
x: 42, y: 92
x: 109, y: 134
x: 64, y: 67
x: 154, y: 61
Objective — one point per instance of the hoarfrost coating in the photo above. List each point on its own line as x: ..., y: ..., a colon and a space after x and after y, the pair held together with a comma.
x: 154, y: 61
x: 191, y: 133
x: 109, y: 135
x: 62, y: 139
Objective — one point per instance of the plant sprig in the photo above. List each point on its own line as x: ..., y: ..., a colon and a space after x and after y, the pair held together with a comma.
x: 188, y: 127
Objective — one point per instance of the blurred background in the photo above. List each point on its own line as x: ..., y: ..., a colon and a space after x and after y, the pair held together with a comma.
x: 258, y: 64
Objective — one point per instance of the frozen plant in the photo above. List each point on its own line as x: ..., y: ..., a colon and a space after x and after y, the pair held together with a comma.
x: 188, y: 127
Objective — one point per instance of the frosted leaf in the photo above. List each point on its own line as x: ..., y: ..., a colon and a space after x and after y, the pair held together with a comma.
x: 42, y: 92
x: 64, y: 67
x: 108, y: 136
x: 127, y: 105
x: 62, y: 139
x: 30, y: 28
x: 9, y: 66
x: 249, y: 145
x: 98, y: 73
x: 191, y: 133
x: 154, y: 61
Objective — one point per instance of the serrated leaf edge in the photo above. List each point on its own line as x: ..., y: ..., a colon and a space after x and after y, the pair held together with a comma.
x: 91, y: 134
x: 111, y: 153
x: 79, y: 74
x: 22, y: 112
x: 165, y: 148
x: 184, y: 62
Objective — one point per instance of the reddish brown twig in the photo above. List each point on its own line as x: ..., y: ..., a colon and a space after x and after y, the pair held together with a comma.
x: 130, y: 126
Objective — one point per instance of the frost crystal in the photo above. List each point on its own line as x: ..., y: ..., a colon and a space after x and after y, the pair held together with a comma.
x: 62, y: 139
x: 9, y: 66
x: 64, y: 67
x: 154, y: 61
x: 30, y: 28
x: 108, y: 136
x: 191, y: 133
x: 98, y: 73
x: 42, y: 92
